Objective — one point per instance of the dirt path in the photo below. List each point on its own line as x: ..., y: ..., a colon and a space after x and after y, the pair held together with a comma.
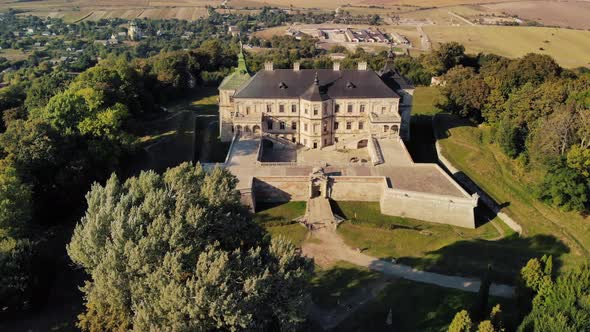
x: 461, y: 18
x: 327, y: 247
x: 426, y: 43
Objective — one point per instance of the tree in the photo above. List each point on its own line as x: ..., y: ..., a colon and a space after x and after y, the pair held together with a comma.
x: 15, y: 200
x: 562, y: 304
x: 579, y: 159
x: 465, y: 92
x: 44, y: 88
x: 451, y: 54
x: 461, y: 322
x: 64, y: 111
x: 565, y: 188
x: 179, y: 252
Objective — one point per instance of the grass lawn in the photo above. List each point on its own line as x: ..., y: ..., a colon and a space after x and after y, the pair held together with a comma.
x: 293, y: 232
x: 414, y: 307
x: 435, y: 247
x: 570, y: 48
x: 277, y: 219
x: 424, y: 100
x: 546, y: 229
x: 278, y: 213
x: 341, y: 280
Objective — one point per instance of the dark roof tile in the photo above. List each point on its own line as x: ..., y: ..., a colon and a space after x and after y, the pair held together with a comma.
x: 300, y: 84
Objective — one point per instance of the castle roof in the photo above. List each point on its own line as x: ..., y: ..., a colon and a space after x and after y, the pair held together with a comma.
x: 238, y: 77
x: 289, y: 83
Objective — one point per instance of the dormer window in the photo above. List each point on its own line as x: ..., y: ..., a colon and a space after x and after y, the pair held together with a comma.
x: 282, y: 85
x: 350, y: 85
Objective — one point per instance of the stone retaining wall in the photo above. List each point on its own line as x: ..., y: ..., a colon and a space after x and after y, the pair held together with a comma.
x: 357, y: 188
x: 472, y: 186
x: 428, y: 207
x: 275, y: 189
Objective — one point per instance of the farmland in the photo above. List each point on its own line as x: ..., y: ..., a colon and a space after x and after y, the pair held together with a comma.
x: 564, y: 13
x: 570, y: 48
x: 78, y: 10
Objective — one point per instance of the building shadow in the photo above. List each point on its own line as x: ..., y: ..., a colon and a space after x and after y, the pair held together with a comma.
x: 506, y: 256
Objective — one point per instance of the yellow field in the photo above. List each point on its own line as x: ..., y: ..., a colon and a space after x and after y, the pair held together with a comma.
x: 570, y: 48
x: 77, y: 10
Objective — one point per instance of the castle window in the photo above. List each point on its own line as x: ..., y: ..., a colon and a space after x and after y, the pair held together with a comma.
x: 349, y: 108
x: 348, y: 125
x: 337, y: 108
x: 281, y: 108
x: 385, y: 128
x: 293, y: 108
x: 335, y: 125
x: 315, y: 128
x: 294, y: 125
x: 383, y: 109
x: 362, y: 108
x: 269, y: 108
x: 282, y: 125
x: 247, y: 110
x: 361, y: 125
x: 305, y: 127
x: 269, y: 124
x: 325, y: 127
x: 315, y: 110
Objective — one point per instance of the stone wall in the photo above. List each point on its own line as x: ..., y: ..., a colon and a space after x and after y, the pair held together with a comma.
x: 473, y: 187
x: 274, y: 189
x: 434, y: 208
x: 357, y: 188
x: 247, y: 197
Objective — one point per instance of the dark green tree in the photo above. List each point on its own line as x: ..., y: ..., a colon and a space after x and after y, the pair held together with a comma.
x: 179, y: 252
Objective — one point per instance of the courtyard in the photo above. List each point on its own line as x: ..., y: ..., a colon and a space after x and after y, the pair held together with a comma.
x: 291, y: 153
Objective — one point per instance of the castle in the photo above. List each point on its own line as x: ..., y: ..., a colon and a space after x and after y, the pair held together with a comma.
x: 315, y: 108
x: 319, y: 134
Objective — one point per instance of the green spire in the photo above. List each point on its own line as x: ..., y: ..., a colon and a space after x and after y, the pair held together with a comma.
x: 241, y: 61
x: 239, y: 76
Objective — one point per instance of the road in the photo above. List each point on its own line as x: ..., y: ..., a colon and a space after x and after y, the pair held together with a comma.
x: 461, y: 18
x: 424, y: 39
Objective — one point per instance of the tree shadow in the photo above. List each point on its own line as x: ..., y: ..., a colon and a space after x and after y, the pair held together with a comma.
x: 444, y: 122
x: 506, y: 256
x: 333, y: 286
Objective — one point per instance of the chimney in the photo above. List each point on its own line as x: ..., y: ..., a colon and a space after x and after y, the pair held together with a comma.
x: 336, y: 66
x: 268, y: 66
x: 362, y: 65
x: 296, y: 66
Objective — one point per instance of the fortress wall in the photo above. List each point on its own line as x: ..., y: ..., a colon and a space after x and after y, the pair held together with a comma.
x: 247, y: 197
x: 434, y: 208
x: 357, y: 188
x: 273, y: 189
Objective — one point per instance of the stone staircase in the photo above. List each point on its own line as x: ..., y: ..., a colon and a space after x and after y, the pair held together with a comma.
x: 319, y: 214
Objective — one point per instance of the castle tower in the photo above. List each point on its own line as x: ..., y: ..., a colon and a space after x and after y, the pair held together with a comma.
x: 227, y: 88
